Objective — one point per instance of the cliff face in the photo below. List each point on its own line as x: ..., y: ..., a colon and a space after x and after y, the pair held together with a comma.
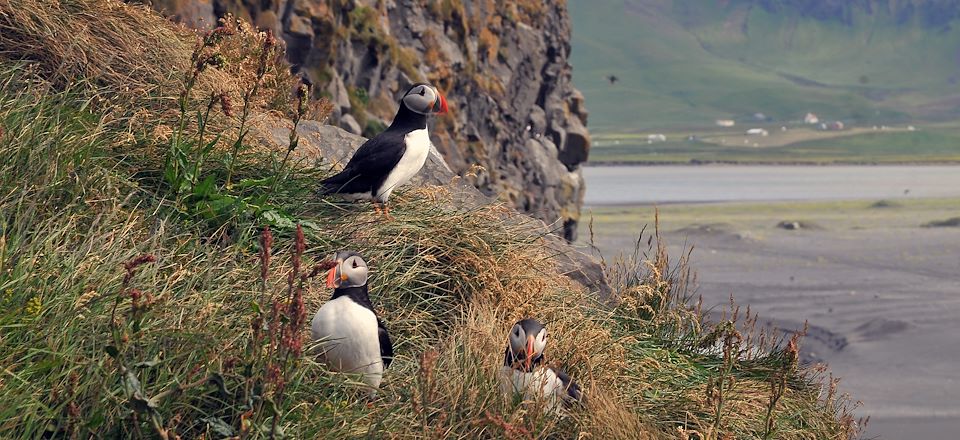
x: 503, y: 67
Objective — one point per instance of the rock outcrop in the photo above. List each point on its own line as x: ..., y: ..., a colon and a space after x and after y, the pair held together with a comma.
x: 332, y: 145
x: 503, y: 66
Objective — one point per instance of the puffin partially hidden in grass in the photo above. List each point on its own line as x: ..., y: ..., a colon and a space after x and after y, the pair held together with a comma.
x: 523, y: 371
x: 391, y: 158
x: 349, y: 335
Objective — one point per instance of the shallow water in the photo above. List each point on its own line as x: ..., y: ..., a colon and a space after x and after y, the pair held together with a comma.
x: 618, y: 184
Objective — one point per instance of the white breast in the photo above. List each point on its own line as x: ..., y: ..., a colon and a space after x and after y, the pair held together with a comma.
x: 540, y: 385
x: 415, y: 155
x: 348, y: 338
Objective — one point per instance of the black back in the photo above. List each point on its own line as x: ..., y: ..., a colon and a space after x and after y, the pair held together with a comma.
x: 574, y: 394
x: 361, y: 296
x: 373, y: 161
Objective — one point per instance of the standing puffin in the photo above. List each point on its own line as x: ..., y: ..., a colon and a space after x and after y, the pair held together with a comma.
x: 523, y: 371
x: 351, y: 337
x: 391, y: 158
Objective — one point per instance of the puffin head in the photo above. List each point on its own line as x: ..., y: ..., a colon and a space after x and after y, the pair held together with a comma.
x: 350, y: 271
x: 528, y: 339
x: 424, y: 99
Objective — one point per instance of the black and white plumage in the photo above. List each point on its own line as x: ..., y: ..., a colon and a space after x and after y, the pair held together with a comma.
x: 391, y: 158
x: 349, y: 335
x: 523, y: 371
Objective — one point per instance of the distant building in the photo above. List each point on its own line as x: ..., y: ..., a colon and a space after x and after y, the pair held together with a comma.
x: 726, y: 122
x: 760, y: 117
x: 811, y: 118
x: 757, y: 132
x: 831, y: 126
x: 911, y: 128
x: 657, y: 137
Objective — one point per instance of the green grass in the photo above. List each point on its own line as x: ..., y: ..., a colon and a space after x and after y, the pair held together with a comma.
x: 936, y: 144
x: 185, y: 345
x: 687, y: 63
x: 762, y: 216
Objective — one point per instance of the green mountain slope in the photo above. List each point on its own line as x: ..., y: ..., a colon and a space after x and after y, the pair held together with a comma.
x: 686, y: 63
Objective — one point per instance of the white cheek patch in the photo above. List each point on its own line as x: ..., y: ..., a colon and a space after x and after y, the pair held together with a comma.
x: 540, y: 342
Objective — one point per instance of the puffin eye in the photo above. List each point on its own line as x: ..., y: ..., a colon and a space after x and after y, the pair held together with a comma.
x: 354, y: 264
x: 422, y: 90
x: 516, y: 331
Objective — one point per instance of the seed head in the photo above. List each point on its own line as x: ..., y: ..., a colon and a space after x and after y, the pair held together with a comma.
x: 266, y: 243
x: 139, y: 261
x: 34, y: 305
x: 226, y: 105
x: 269, y: 42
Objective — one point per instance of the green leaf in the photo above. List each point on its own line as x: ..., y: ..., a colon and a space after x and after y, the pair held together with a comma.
x: 96, y: 420
x: 219, y: 426
x: 131, y: 384
x: 253, y: 183
x: 170, y: 175
x: 255, y: 307
x: 277, y: 219
x: 147, y: 364
x: 222, y: 203
x: 209, y: 146
x: 205, y: 188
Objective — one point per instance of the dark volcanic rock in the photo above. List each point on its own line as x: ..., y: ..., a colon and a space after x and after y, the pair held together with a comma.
x: 502, y: 65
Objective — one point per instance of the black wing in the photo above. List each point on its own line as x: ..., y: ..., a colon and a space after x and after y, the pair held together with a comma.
x: 369, y: 165
x: 574, y: 394
x: 386, y: 347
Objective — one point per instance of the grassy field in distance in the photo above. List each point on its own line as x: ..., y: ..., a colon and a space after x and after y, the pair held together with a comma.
x: 682, y: 65
x: 841, y: 214
x: 800, y: 145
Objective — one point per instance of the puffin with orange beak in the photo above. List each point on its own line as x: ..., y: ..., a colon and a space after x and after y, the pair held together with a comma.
x: 391, y: 158
x: 523, y: 371
x: 346, y: 330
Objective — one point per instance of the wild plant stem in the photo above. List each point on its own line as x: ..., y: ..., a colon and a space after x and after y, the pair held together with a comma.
x: 247, y: 99
x: 202, y: 123
x: 236, y: 145
x: 303, y: 94
x: 283, y: 164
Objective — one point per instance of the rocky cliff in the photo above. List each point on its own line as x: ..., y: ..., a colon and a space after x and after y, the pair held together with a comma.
x: 502, y: 65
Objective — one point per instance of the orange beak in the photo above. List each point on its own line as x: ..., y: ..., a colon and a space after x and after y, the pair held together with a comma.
x: 528, y: 358
x: 332, y: 277
x: 441, y: 105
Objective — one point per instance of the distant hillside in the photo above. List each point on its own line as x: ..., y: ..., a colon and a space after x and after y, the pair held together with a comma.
x: 687, y: 62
